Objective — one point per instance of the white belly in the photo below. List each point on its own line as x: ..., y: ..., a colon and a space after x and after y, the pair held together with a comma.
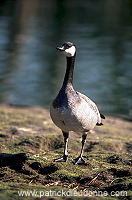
x: 79, y: 118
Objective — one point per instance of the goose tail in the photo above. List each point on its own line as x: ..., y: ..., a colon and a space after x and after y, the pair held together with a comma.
x: 103, y: 117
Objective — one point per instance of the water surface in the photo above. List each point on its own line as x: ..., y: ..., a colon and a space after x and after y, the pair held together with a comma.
x: 32, y: 71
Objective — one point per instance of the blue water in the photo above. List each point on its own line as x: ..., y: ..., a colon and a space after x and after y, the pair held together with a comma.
x: 32, y: 71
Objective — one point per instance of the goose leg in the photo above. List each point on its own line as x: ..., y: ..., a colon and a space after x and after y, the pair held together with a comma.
x: 65, y: 155
x: 79, y: 159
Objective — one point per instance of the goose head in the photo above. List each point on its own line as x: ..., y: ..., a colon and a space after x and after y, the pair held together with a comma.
x: 68, y: 49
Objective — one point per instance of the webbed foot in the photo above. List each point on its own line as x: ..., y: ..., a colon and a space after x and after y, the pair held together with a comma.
x: 63, y: 159
x: 78, y: 160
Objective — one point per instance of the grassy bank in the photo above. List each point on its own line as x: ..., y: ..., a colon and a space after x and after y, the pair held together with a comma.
x: 30, y: 142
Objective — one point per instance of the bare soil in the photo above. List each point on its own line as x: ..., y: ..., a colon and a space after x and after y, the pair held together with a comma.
x: 30, y: 142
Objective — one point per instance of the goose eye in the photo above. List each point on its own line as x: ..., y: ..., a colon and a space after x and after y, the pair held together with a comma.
x: 67, y: 46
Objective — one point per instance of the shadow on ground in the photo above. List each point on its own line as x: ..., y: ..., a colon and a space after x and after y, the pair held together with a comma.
x: 30, y: 142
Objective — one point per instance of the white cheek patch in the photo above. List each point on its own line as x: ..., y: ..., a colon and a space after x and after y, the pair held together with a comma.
x: 70, y: 52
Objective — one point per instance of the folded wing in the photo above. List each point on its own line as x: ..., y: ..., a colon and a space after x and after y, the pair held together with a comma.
x: 93, y: 107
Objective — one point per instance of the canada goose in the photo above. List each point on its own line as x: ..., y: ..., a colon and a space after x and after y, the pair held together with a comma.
x: 71, y: 110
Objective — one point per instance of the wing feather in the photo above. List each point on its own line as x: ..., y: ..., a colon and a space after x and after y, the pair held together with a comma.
x: 93, y: 107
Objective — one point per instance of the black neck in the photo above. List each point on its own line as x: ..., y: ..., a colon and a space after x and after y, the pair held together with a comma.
x: 69, y: 70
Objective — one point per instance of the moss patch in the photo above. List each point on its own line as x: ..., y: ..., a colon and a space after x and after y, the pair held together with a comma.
x: 30, y: 142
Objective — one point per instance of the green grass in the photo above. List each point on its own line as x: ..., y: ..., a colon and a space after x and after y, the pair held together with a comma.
x: 30, y: 143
